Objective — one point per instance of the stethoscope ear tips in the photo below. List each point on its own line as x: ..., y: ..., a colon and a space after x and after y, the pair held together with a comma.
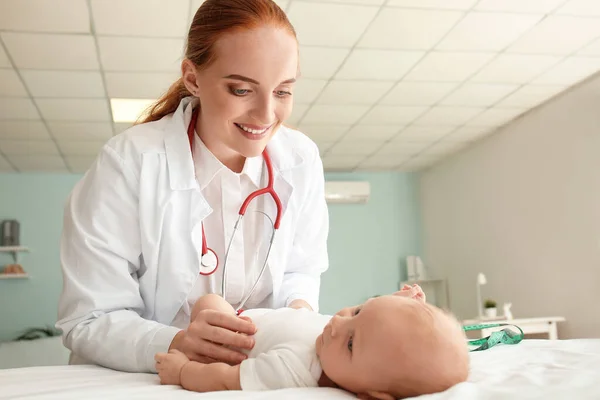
x: 208, y: 263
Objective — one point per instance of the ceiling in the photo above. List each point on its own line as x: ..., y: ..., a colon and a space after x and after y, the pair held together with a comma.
x: 386, y: 85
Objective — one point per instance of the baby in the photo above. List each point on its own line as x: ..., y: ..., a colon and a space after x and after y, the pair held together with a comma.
x: 392, y: 346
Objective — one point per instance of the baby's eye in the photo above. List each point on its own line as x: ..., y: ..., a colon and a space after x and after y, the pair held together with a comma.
x: 356, y: 311
x: 350, y: 344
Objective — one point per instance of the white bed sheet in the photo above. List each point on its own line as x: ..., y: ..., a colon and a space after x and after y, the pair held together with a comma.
x: 540, y: 369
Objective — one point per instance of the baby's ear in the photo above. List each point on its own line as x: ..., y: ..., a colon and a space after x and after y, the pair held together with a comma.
x: 375, y: 396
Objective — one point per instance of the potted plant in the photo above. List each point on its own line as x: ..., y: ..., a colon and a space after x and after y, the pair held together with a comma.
x: 490, y: 308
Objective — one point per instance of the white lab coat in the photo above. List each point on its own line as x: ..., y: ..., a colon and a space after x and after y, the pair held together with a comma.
x: 131, y: 243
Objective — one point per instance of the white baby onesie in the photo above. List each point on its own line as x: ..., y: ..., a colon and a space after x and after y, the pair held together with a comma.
x: 284, y: 354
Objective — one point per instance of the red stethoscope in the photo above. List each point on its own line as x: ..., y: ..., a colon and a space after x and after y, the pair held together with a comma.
x: 209, y: 262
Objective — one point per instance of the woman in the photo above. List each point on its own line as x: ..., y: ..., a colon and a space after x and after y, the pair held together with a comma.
x: 132, y: 250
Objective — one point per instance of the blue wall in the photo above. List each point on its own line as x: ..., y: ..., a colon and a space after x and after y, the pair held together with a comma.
x: 367, y: 244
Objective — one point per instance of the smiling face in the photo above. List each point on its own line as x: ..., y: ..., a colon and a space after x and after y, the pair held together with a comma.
x: 387, y: 345
x: 246, y: 92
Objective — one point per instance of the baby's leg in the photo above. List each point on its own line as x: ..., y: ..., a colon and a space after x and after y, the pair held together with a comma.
x: 211, y: 302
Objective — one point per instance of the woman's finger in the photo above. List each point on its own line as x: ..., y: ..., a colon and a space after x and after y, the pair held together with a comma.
x: 223, y: 336
x: 231, y: 322
x: 221, y: 353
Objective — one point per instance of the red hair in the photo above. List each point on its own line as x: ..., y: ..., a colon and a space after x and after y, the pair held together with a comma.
x: 214, y: 19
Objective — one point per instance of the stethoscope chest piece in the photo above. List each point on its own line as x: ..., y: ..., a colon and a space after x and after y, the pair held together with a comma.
x: 208, y: 262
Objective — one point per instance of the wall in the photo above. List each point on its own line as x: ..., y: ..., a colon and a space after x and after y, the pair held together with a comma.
x: 523, y: 207
x: 36, y: 201
x: 367, y: 243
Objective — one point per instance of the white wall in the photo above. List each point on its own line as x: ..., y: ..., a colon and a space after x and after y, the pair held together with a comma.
x: 523, y: 207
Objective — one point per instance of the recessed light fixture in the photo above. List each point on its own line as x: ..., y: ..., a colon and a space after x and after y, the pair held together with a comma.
x: 129, y: 110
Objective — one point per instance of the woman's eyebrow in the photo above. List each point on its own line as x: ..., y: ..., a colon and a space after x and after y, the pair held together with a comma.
x: 250, y: 80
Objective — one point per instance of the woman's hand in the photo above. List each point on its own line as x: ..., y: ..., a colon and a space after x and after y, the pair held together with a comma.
x: 214, y: 336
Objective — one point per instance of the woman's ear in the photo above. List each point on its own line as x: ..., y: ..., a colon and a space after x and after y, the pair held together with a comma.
x: 188, y: 75
x: 375, y: 396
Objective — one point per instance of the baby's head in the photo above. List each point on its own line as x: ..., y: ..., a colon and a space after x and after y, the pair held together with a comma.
x: 393, y: 347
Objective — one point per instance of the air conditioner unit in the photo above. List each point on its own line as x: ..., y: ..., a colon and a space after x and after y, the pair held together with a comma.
x: 347, y: 191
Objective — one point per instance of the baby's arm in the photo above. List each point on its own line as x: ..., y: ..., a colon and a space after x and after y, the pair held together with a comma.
x: 175, y: 368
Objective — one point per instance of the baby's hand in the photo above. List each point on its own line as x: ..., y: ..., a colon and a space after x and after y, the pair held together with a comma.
x: 414, y: 292
x: 169, y: 366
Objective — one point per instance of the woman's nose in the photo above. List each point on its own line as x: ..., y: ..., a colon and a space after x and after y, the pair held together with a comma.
x: 264, y: 111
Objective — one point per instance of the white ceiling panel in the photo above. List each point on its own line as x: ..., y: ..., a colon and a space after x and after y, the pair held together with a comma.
x: 531, y: 95
x: 448, y: 66
x: 17, y: 108
x: 121, y: 127
x: 141, y: 54
x: 515, y: 68
x: 99, y: 131
x: 419, y: 163
x: 324, y: 133
x: 425, y: 133
x: 495, y: 116
x: 10, y: 84
x: 159, y: 18
x: 69, y: 16
x: 452, y: 116
x: 298, y: 111
x: 558, y: 35
x: 487, y: 31
x: 139, y: 85
x: 570, y: 71
x: 403, y: 83
x: 403, y: 147
x: 319, y: 23
x: 519, y: 6
x: 4, y: 61
x: 334, y: 162
x: 47, y: 51
x: 26, y: 163
x: 307, y: 90
x: 23, y: 147
x: 74, y: 109
x: 79, y: 163
x: 334, y: 114
x: 64, y: 83
x: 444, y: 148
x: 80, y: 148
x: 396, y: 28
x: 417, y: 93
x: 355, y: 147
x: 23, y: 130
x: 468, y: 133
x: 593, y: 49
x: 354, y: 92
x: 321, y: 62
x: 382, y: 162
x: 363, y: 2
x: 478, y: 94
x: 374, y: 132
x: 392, y: 115
x: 583, y: 8
x: 378, y: 64
x: 434, y: 4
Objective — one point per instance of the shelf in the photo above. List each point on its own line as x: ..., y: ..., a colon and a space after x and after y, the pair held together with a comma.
x: 13, y: 249
x: 14, y: 276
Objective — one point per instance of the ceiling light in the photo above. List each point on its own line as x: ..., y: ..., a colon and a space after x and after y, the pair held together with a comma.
x: 129, y: 110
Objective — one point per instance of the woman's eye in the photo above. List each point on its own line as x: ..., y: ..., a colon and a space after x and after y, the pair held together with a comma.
x: 283, y: 93
x: 350, y: 344
x: 239, y: 92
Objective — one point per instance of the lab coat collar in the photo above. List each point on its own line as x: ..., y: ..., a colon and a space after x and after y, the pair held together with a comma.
x: 181, y: 166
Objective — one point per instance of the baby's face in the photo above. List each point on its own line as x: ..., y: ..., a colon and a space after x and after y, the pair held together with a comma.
x: 362, y: 348
x: 354, y: 350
